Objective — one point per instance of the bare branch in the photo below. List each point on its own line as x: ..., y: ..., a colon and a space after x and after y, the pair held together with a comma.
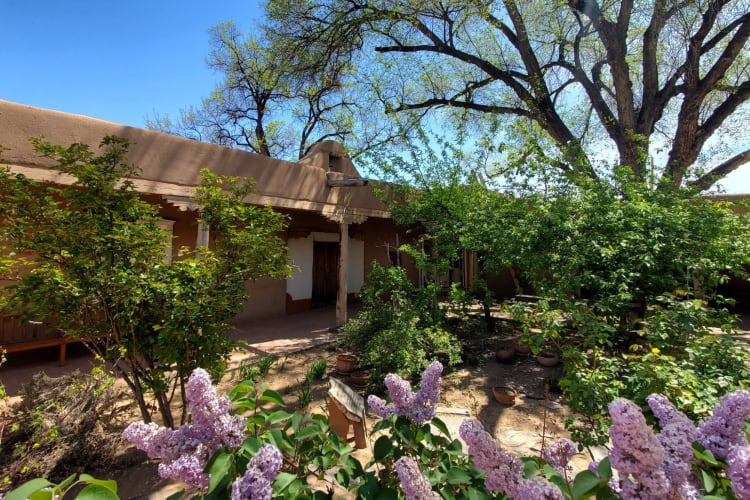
x: 709, y: 179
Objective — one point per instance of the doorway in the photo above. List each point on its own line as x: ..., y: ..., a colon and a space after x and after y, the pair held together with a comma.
x: 325, y: 273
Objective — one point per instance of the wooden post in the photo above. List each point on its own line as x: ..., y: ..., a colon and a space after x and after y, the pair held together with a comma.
x: 341, y: 296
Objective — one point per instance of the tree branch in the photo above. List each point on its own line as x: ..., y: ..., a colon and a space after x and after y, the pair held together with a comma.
x: 723, y: 111
x: 485, y: 108
x: 721, y: 170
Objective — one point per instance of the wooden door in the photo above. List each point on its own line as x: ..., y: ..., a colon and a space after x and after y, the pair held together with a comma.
x: 325, y: 272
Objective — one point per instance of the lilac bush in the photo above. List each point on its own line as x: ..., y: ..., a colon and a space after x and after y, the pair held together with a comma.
x: 413, y: 484
x: 648, y: 464
x: 725, y: 427
x: 559, y: 454
x: 739, y: 471
x: 419, y: 407
x: 255, y: 484
x: 676, y: 438
x: 184, y: 452
x: 503, y: 470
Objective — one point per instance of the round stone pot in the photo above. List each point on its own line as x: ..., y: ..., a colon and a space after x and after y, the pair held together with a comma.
x: 520, y: 350
x: 360, y: 377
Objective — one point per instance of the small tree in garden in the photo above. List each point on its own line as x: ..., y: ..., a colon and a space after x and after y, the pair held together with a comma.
x: 630, y: 275
x: 399, y: 328
x: 450, y: 210
x: 89, y: 259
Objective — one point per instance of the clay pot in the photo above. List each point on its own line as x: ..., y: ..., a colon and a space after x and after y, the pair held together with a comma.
x: 346, y: 363
x: 360, y: 377
x: 520, y: 350
x: 548, y: 358
x: 505, y: 354
x: 504, y: 394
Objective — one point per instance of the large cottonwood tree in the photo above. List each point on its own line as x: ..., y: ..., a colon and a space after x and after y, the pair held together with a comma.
x: 277, y: 98
x: 628, y: 76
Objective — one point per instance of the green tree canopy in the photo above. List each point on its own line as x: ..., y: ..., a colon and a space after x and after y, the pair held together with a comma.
x: 90, y: 259
x: 584, y: 78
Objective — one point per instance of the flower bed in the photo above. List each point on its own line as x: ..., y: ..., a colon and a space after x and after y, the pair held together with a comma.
x: 255, y: 452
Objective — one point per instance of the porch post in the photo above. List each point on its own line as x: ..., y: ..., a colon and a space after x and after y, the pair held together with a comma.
x: 341, y: 296
x: 201, y: 238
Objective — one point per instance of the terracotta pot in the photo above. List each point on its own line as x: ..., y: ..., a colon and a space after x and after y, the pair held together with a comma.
x: 520, y: 350
x: 505, y: 354
x: 360, y: 377
x: 504, y: 394
x: 345, y: 363
x: 548, y: 358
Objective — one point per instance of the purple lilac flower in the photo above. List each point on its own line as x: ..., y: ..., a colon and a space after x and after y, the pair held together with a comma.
x: 739, y: 471
x: 676, y: 437
x: 636, y: 452
x: 419, y: 407
x: 185, y: 451
x: 559, y: 453
x: 503, y: 471
x: 537, y: 488
x: 255, y: 484
x: 426, y: 399
x: 725, y: 427
x: 402, y: 397
x: 689, y: 490
x: 414, y: 485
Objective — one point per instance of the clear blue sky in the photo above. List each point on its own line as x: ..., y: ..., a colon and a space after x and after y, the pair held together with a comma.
x: 119, y: 61
x: 126, y: 61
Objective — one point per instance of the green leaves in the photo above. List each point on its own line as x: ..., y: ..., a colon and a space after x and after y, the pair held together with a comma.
x: 99, y: 266
x: 42, y: 489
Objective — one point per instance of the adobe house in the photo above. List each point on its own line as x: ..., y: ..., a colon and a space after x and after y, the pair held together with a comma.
x: 337, y: 226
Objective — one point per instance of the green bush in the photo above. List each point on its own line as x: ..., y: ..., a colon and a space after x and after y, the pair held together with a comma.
x: 629, y: 274
x: 399, y: 328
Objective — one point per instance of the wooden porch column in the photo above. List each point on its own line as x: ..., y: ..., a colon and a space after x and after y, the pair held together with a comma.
x: 202, y: 236
x: 341, y: 296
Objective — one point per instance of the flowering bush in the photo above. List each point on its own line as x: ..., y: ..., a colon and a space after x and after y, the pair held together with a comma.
x: 185, y: 451
x: 649, y: 465
x: 415, y: 456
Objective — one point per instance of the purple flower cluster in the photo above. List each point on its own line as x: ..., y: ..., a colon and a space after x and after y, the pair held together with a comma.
x: 503, y: 470
x: 739, y: 471
x: 724, y: 429
x: 559, y: 453
x: 185, y: 451
x: 255, y: 484
x: 636, y: 452
x: 420, y: 407
x: 676, y: 437
x: 414, y: 485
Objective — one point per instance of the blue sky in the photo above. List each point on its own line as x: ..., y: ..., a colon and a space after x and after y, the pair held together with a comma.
x: 119, y: 61
x: 126, y: 61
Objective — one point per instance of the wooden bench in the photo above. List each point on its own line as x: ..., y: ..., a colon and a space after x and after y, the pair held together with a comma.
x: 347, y: 408
x: 16, y: 336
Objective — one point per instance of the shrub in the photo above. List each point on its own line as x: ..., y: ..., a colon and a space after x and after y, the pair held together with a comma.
x: 399, y: 327
x: 97, y: 257
x: 60, y: 426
